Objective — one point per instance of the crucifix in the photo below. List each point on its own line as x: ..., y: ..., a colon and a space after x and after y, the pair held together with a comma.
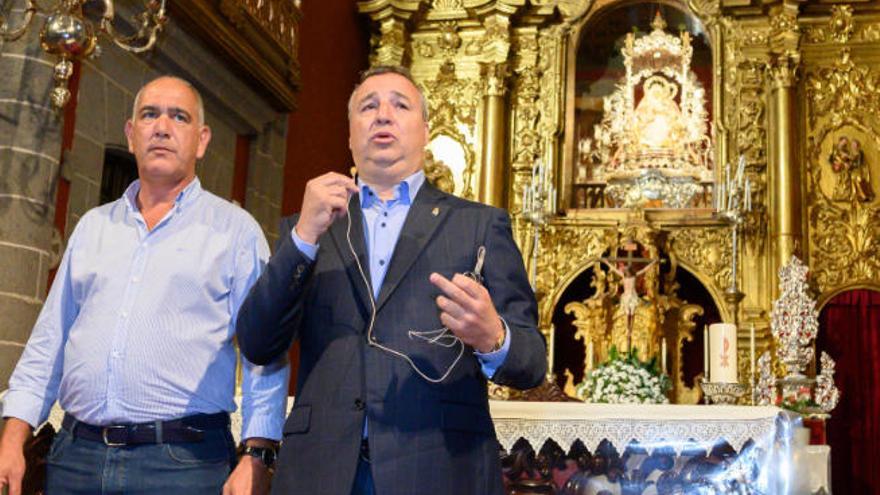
x: 625, y: 268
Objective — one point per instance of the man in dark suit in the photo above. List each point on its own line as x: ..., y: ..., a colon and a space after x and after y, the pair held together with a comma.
x: 397, y: 343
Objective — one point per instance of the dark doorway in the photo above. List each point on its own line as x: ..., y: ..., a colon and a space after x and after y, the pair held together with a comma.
x: 120, y: 170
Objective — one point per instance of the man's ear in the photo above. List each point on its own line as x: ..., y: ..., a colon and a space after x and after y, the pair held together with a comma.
x: 128, y: 131
x: 204, y: 139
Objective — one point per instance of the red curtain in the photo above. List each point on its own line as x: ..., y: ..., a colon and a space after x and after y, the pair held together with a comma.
x: 849, y: 331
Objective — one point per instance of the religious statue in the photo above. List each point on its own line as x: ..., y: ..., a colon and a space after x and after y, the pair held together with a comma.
x: 630, y: 300
x: 853, y: 177
x: 658, y: 120
x: 654, y: 150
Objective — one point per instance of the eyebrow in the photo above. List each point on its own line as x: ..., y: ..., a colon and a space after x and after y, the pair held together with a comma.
x: 172, y: 110
x: 373, y: 94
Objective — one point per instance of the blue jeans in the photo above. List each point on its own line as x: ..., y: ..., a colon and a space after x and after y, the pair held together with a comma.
x: 79, y: 466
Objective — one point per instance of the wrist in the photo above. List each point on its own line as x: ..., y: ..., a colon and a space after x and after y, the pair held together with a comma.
x: 260, y: 451
x: 494, y: 345
x: 305, y: 235
x: 16, y: 432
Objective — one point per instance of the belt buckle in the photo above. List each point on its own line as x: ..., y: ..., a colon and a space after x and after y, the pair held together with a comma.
x: 105, y: 435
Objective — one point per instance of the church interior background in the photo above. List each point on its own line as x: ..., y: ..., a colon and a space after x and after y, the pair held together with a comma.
x: 662, y: 163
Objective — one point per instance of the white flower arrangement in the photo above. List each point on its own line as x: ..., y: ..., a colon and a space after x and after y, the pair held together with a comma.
x: 624, y: 379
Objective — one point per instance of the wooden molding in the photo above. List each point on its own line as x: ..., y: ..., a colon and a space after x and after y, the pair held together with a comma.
x: 259, y: 38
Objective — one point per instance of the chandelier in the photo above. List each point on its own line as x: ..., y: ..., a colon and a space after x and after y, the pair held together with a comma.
x: 71, y: 35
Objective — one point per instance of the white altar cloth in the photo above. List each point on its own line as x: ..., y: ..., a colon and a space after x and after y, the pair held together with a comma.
x: 651, y: 425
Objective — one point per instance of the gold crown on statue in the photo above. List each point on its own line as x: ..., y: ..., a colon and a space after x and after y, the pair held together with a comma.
x: 658, y: 49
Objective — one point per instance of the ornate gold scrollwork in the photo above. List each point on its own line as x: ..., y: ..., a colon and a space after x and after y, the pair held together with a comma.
x: 844, y: 135
x: 453, y: 103
x: 706, y: 249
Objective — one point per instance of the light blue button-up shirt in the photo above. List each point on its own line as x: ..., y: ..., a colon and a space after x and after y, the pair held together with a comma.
x: 383, y: 221
x: 139, y: 323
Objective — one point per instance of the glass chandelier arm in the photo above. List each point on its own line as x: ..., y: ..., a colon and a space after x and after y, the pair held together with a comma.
x: 8, y: 34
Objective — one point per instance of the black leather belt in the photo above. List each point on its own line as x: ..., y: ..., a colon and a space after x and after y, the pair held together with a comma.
x: 188, y: 429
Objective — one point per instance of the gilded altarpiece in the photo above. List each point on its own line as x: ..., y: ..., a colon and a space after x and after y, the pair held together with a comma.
x: 790, y: 88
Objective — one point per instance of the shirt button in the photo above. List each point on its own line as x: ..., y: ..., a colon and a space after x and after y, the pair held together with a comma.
x: 386, y: 213
x: 359, y: 404
x: 123, y: 314
x: 383, y: 224
x: 381, y: 262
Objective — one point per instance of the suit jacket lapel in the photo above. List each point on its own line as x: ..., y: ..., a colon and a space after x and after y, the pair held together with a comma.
x: 338, y: 233
x: 426, y: 214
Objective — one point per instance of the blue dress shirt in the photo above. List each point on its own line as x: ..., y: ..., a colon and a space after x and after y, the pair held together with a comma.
x: 383, y: 221
x: 139, y: 323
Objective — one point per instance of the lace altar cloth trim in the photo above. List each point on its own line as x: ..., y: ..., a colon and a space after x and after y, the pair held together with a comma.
x: 652, y: 426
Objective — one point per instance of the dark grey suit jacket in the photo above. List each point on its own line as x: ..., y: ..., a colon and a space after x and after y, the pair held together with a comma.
x: 424, y: 438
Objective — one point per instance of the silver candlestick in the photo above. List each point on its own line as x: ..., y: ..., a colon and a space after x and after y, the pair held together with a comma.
x: 538, y: 203
x: 733, y: 199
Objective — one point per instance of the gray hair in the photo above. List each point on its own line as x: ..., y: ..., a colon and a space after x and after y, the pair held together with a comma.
x: 200, y: 104
x: 390, y: 69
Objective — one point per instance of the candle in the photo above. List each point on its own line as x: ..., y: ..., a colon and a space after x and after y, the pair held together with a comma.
x: 663, y: 357
x: 551, y: 347
x: 590, y: 355
x: 705, y: 353
x: 740, y: 170
x: 722, y: 359
x: 748, y: 195
x: 752, y: 353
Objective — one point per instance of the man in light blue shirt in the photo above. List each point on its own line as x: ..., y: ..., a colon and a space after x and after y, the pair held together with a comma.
x: 135, y: 339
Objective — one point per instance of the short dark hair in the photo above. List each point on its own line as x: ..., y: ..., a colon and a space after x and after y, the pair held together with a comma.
x: 390, y: 69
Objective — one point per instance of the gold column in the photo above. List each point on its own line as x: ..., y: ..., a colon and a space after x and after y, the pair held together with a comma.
x: 493, y: 184
x: 785, y: 174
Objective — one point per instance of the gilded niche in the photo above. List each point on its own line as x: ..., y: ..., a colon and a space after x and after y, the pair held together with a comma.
x: 652, y: 147
x: 843, y: 102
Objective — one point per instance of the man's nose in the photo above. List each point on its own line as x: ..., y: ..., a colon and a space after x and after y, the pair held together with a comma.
x: 384, y: 114
x: 162, y: 126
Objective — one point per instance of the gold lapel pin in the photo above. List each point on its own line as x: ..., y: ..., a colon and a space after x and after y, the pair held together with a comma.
x: 435, y: 211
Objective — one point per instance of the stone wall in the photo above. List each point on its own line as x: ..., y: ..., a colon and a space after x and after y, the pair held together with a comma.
x: 30, y: 148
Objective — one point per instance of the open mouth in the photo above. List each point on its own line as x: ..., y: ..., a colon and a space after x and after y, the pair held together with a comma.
x: 383, y: 137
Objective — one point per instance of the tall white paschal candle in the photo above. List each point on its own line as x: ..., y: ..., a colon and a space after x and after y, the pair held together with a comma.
x: 722, y: 353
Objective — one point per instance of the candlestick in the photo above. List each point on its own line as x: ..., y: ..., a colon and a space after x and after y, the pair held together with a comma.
x: 705, y: 353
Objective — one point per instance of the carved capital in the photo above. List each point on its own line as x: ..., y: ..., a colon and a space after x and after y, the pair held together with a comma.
x: 783, y: 70
x: 495, y: 78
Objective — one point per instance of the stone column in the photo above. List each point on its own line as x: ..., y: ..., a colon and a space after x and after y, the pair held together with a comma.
x: 30, y: 147
x: 493, y: 186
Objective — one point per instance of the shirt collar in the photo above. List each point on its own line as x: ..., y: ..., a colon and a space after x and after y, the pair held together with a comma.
x: 184, y: 198
x: 405, y: 192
